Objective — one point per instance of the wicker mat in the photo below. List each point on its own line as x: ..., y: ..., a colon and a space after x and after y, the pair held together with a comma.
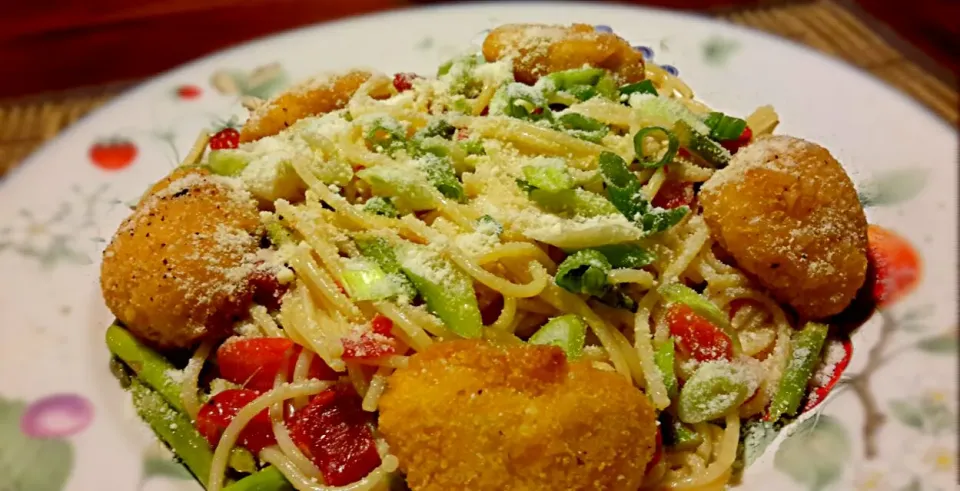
x: 824, y: 25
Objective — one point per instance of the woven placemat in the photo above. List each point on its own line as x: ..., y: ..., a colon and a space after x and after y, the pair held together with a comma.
x: 824, y: 25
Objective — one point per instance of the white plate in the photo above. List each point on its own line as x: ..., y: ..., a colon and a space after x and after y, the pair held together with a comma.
x: 57, y: 211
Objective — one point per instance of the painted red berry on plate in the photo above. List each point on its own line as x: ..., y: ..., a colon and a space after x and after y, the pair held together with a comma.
x: 188, y: 92
x: 895, y: 265
x: 113, y: 154
x: 225, y: 138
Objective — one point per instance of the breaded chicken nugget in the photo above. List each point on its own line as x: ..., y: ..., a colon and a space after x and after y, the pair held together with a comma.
x: 468, y: 415
x: 316, y: 96
x: 787, y: 212
x: 539, y: 49
x: 177, y: 269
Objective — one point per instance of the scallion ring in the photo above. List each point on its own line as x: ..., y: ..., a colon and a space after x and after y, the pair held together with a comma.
x: 672, y: 146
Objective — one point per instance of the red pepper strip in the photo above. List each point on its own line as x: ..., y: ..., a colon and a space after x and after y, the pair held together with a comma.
x: 818, y: 394
x: 334, y: 432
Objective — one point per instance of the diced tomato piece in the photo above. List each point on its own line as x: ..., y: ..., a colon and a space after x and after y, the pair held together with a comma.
x: 674, y: 194
x: 895, y: 265
x: 404, y: 81
x: 818, y: 394
x: 219, y: 411
x: 683, y: 152
x: 369, y: 345
x: 225, y: 138
x: 657, y: 452
x: 696, y: 336
x: 333, y: 431
x: 382, y: 325
x: 742, y: 141
x: 255, y: 362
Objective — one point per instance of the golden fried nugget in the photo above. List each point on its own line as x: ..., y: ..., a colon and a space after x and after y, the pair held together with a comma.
x: 539, y: 49
x: 317, y: 96
x: 177, y: 269
x: 788, y: 214
x: 469, y: 415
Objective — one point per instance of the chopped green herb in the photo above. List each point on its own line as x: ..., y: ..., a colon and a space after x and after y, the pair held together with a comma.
x: 584, y: 272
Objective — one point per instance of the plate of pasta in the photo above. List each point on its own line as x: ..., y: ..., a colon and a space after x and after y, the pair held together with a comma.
x: 515, y: 248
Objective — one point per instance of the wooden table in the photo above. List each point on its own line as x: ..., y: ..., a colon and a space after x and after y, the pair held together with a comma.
x: 70, y: 57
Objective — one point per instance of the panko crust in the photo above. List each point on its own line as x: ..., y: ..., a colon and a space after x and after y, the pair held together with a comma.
x: 469, y: 415
x: 314, y: 97
x: 539, y: 49
x: 786, y: 211
x: 177, y: 269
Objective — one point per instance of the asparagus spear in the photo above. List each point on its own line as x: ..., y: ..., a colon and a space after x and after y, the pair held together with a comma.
x: 268, y: 479
x: 151, y: 368
x: 665, y: 358
x: 806, y: 351
x: 174, y: 428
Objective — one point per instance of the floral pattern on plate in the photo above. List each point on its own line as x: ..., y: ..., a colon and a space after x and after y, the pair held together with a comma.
x: 877, y: 429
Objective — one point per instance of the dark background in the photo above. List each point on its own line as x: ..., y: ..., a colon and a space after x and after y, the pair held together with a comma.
x: 50, y: 45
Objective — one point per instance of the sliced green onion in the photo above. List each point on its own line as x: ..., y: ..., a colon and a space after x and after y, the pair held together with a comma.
x: 386, y: 135
x: 583, y: 127
x: 550, y: 175
x: 381, y: 252
x: 660, y: 219
x: 410, y: 190
x: 472, y: 147
x: 576, y: 77
x: 678, y: 293
x: 278, y: 234
x: 381, y: 206
x: 584, y: 272
x: 576, y: 121
x: 713, y: 390
x: 623, y: 187
x: 626, y: 255
x: 568, y: 332
x: 667, y: 155
x: 577, y: 202
x: 807, y: 344
x: 365, y: 280
x: 440, y: 173
x: 437, y: 127
x: 520, y: 101
x: 447, y: 291
x: 487, y: 222
x: 723, y: 127
x: 677, y: 435
x: 227, y: 162
x: 664, y: 357
x: 641, y: 87
x: 618, y: 299
x: 607, y: 87
x: 701, y: 145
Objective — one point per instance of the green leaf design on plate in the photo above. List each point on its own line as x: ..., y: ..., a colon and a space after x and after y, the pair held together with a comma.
x: 815, y: 454
x: 157, y: 466
x: 262, y: 82
x: 27, y: 463
x: 907, y: 413
x: 757, y: 436
x: 941, y: 344
x: 718, y: 50
x: 892, y: 187
x: 913, y: 486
